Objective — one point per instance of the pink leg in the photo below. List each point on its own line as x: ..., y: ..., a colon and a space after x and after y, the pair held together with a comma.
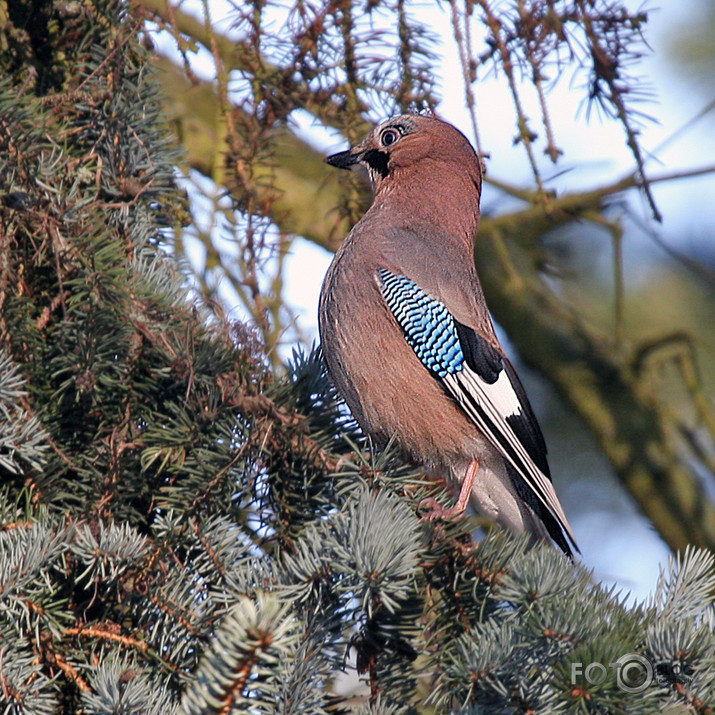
x: 440, y: 512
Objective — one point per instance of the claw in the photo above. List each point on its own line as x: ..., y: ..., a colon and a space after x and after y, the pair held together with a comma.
x: 448, y: 513
x: 437, y: 511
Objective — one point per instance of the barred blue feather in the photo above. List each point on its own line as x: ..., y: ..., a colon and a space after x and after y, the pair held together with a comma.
x: 428, y: 326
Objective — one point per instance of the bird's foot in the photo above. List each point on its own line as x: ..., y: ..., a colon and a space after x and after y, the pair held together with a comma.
x: 440, y: 512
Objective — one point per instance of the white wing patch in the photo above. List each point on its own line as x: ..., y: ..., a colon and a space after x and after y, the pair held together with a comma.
x: 488, y: 406
x: 501, y: 394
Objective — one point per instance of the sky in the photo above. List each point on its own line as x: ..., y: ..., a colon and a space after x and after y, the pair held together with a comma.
x: 617, y: 542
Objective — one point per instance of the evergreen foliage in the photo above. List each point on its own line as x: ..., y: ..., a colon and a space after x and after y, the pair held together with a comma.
x: 181, y: 531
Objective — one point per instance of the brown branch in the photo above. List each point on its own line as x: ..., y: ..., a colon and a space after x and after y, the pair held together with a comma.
x: 465, y: 54
x: 104, y: 634
x: 525, y: 135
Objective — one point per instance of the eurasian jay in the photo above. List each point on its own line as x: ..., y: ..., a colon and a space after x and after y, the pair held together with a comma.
x: 407, y: 336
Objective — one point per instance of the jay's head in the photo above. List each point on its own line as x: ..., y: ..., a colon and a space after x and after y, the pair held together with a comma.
x: 413, y: 147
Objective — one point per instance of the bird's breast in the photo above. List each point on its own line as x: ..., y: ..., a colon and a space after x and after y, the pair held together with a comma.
x: 389, y: 391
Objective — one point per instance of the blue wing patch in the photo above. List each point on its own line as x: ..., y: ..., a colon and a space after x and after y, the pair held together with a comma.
x: 428, y: 326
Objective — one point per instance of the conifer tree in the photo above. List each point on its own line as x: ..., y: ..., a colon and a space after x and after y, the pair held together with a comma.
x: 182, y: 530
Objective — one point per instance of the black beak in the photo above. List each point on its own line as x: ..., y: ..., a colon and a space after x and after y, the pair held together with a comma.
x: 343, y: 159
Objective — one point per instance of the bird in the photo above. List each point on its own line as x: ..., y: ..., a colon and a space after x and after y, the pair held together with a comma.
x: 408, y: 340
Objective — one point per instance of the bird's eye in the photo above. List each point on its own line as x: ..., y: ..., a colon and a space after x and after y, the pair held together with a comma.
x: 389, y: 136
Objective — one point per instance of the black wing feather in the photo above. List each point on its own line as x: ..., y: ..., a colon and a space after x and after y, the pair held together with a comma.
x: 525, y: 425
x: 482, y: 357
x: 487, y: 364
x: 552, y: 526
x: 479, y: 354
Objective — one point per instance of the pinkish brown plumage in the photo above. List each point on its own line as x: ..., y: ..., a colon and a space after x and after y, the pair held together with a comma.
x: 407, y: 337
